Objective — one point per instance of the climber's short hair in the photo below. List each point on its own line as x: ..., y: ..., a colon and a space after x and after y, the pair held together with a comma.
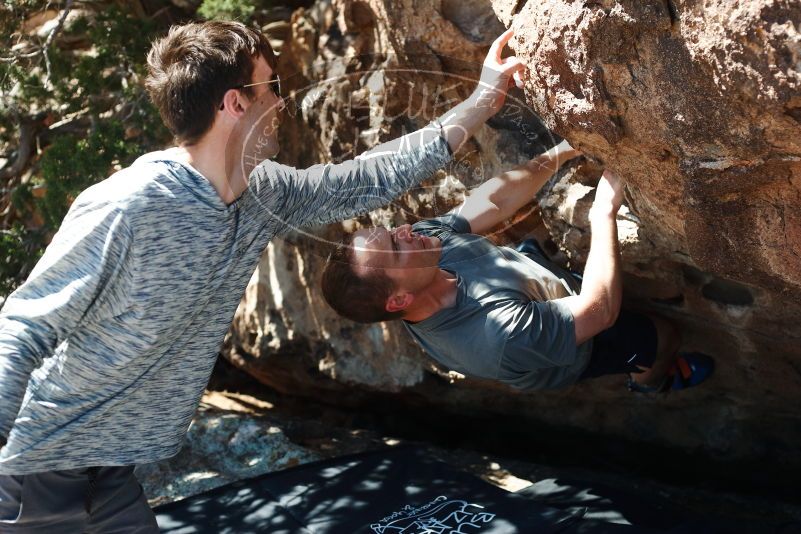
x: 358, y: 297
x: 191, y: 68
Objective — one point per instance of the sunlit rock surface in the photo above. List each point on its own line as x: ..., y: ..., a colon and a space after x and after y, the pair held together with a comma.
x: 695, y: 103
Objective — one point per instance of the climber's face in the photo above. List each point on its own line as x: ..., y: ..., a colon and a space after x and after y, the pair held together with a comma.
x: 409, y: 259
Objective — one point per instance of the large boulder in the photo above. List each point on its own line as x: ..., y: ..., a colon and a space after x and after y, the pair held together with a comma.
x: 356, y: 80
x: 695, y: 103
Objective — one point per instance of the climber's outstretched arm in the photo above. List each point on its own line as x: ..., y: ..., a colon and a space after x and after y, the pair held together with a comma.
x: 500, y: 197
x: 597, y: 306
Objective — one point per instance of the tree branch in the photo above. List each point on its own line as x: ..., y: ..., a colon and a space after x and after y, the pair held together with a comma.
x: 46, y: 46
x: 52, y: 36
x: 27, y: 130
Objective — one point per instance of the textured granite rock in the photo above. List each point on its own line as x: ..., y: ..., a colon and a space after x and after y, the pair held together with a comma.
x: 695, y: 103
x: 225, y: 443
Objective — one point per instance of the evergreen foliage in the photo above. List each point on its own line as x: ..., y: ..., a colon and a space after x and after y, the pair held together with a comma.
x: 227, y: 9
x: 72, y: 91
x: 90, y: 117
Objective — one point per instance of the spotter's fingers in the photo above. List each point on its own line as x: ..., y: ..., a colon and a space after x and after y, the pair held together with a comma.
x: 498, y: 45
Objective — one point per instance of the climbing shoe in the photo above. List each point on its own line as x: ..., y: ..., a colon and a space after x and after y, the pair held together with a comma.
x: 690, y: 369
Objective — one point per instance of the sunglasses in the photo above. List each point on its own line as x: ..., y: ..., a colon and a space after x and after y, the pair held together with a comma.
x: 275, y: 86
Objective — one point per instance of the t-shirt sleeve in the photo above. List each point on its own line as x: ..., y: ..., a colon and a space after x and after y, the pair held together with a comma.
x: 450, y: 223
x: 540, y: 336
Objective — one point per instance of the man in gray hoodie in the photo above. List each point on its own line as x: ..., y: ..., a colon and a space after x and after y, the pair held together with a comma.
x: 106, y: 349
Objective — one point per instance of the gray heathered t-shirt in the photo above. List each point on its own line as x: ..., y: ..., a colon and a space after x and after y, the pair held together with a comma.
x: 107, y: 347
x: 507, y: 323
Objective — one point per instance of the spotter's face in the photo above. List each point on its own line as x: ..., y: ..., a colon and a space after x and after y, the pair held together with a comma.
x: 254, y: 136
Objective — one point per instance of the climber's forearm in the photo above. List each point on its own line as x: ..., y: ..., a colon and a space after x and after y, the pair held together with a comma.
x: 597, y: 306
x: 518, y: 186
x: 602, y: 280
x: 500, y: 197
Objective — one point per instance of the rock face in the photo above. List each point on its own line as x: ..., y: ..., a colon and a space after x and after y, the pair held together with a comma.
x: 695, y: 103
x: 224, y: 444
x: 357, y: 81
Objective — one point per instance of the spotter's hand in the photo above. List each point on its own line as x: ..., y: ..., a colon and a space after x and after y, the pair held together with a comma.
x: 497, y: 75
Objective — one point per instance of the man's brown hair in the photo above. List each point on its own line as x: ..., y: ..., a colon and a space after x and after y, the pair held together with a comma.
x: 191, y: 68
x: 360, y: 298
